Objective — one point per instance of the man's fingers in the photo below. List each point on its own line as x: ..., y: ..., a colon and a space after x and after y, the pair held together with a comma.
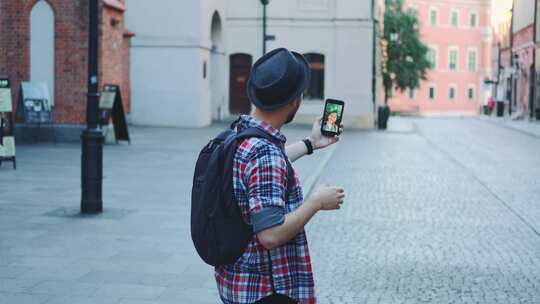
x: 339, y: 189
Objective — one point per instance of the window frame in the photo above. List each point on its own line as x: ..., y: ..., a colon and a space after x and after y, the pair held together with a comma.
x: 436, y: 10
x: 411, y: 92
x: 434, y: 87
x: 308, y: 56
x: 452, y: 87
x: 475, y: 13
x: 450, y: 49
x: 475, y: 51
x: 473, y: 87
x: 435, y: 48
x: 452, y: 12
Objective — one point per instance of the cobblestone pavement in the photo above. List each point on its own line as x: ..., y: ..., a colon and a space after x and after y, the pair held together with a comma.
x: 438, y: 211
x: 446, y: 211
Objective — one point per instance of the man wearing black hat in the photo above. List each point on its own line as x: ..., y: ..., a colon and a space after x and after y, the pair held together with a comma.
x: 276, y: 266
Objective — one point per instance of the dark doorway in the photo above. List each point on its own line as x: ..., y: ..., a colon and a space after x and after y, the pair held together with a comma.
x: 239, y: 75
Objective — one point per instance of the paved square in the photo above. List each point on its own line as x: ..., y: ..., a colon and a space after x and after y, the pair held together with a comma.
x: 437, y: 211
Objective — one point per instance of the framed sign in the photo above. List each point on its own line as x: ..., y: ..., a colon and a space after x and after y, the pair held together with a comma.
x: 110, y: 106
x: 108, y: 96
x: 7, y: 137
x: 5, y: 96
x: 35, y: 104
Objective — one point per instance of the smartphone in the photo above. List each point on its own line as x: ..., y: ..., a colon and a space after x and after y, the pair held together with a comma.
x: 332, y: 117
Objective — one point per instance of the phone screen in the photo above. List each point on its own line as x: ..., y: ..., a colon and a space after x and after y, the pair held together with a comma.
x: 333, y: 114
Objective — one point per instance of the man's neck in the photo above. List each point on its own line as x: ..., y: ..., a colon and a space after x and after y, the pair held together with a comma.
x: 274, y: 120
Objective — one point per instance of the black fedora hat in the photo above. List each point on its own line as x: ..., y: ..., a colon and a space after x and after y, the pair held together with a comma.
x: 277, y: 79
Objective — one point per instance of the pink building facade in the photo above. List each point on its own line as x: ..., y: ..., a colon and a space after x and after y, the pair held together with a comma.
x: 458, y: 35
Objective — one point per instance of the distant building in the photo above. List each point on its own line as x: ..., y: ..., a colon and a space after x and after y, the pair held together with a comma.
x: 522, y: 50
x: 458, y: 35
x: 502, y: 61
x: 191, y: 59
x: 46, y: 41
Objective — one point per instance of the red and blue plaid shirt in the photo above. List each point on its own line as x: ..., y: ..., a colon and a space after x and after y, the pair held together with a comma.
x: 259, y: 179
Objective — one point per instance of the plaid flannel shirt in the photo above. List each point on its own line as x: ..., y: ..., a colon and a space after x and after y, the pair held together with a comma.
x: 259, y: 179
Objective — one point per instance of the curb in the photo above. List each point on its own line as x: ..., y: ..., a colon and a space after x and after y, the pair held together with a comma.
x: 503, y: 124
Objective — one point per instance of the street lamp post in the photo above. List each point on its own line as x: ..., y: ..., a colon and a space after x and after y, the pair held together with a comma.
x: 264, y: 3
x: 92, y: 138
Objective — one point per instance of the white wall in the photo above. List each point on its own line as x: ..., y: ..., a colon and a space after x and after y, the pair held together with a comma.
x: 42, y: 46
x: 172, y: 43
x: 173, y: 39
x: 335, y: 28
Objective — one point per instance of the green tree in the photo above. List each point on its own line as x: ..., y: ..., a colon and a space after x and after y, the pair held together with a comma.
x: 406, y: 63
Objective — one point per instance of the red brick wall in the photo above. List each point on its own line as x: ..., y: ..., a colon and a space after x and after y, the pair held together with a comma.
x: 71, y: 52
x: 114, y: 55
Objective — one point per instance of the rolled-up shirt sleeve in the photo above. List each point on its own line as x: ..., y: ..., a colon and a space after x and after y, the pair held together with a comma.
x: 265, y: 177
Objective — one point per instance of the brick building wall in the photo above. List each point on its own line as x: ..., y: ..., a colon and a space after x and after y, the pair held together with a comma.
x: 70, y: 51
x: 114, y: 55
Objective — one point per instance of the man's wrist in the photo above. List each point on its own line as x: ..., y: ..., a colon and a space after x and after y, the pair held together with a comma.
x: 309, y: 145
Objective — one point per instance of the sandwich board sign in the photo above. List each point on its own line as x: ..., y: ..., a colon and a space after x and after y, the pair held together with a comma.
x: 7, y: 135
x: 111, y: 108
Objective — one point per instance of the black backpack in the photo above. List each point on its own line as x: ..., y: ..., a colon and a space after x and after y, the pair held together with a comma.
x: 218, y: 230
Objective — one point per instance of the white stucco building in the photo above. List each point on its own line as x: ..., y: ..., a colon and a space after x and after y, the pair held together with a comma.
x: 191, y: 59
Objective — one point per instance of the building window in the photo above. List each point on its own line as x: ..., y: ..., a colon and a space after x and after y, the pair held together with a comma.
x: 452, y: 92
x: 453, y: 59
x: 412, y: 94
x: 316, y: 83
x: 432, y: 57
x: 454, y: 18
x: 472, y: 20
x: 204, y: 70
x: 471, y: 59
x: 470, y: 92
x: 431, y: 92
x: 433, y: 16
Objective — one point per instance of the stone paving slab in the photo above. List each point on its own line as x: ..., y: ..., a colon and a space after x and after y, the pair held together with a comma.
x: 137, y: 251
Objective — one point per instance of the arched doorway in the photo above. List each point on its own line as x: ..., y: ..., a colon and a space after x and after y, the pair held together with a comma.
x: 217, y: 95
x: 42, y: 46
x: 239, y: 74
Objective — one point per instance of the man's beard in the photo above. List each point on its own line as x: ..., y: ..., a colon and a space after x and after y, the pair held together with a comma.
x: 291, y: 116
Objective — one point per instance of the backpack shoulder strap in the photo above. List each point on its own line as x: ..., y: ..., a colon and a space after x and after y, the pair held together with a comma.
x: 258, y: 133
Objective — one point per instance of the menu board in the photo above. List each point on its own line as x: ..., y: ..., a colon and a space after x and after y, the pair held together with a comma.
x: 7, y: 149
x: 108, y: 96
x: 111, y: 108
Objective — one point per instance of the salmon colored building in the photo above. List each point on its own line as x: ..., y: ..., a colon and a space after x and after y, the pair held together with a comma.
x: 457, y: 33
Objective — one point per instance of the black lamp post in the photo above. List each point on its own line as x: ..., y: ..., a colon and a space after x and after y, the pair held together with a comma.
x: 265, y: 37
x: 92, y: 138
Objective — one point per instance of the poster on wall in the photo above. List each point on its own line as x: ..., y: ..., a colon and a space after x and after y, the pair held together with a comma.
x: 7, y: 138
x: 111, y: 108
x: 35, y: 103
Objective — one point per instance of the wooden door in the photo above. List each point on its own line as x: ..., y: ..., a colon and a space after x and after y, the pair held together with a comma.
x: 239, y: 75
